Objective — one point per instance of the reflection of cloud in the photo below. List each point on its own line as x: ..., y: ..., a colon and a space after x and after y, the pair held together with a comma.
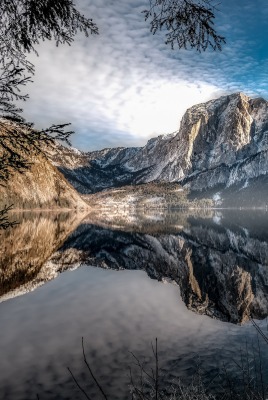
x: 125, y: 85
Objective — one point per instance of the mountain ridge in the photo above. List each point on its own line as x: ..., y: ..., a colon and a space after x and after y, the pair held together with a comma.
x: 222, y: 143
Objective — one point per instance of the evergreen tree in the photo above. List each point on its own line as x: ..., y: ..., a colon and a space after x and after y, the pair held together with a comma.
x: 189, y: 23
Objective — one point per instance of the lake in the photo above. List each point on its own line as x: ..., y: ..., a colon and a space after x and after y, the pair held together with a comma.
x: 192, y: 280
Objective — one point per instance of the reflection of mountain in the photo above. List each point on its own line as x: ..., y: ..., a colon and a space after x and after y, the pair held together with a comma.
x: 230, y: 267
x: 26, y: 247
x: 220, y: 267
x: 220, y: 263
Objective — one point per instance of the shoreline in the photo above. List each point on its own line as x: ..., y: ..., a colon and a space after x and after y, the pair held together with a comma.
x: 133, y: 208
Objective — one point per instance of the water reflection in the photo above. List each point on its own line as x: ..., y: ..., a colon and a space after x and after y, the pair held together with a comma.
x: 115, y: 312
x: 28, y: 245
x: 219, y: 261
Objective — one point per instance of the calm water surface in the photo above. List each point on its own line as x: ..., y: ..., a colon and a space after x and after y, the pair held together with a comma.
x: 192, y: 281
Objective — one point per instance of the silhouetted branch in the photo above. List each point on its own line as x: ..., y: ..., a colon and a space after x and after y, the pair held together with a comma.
x: 259, y: 330
x: 135, y: 389
x: 91, y: 372
x: 23, y: 25
x: 26, y: 23
x: 77, y: 384
x: 12, y: 77
x: 151, y: 380
x: 19, y: 139
x: 189, y: 23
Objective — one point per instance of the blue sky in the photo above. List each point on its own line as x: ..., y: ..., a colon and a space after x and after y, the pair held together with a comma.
x: 124, y: 86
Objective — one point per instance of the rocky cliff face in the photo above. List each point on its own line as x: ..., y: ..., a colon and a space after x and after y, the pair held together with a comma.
x: 40, y: 185
x: 221, y: 144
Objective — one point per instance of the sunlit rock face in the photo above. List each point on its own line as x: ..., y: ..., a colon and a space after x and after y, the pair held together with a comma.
x: 221, y: 144
x: 221, y: 268
x: 40, y: 185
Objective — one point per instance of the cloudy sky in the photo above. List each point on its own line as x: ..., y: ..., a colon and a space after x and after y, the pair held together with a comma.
x: 124, y: 86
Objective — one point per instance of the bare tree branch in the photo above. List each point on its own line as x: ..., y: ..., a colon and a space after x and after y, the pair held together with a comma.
x: 79, y: 386
x: 91, y: 372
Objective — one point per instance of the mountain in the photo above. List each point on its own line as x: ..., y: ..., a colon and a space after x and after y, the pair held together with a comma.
x: 220, y: 150
x: 41, y: 185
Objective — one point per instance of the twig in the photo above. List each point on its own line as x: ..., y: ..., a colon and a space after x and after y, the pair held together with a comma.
x: 139, y: 393
x: 259, y: 330
x: 77, y: 384
x: 91, y: 372
x: 261, y: 372
x: 141, y: 367
x: 156, y: 370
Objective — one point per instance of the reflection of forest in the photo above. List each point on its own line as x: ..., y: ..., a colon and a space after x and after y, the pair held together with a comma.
x: 219, y: 261
x: 27, y: 246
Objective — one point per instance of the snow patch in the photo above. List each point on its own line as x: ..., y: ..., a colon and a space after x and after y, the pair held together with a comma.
x: 245, y: 184
x: 76, y: 151
x: 246, y: 232
x: 217, y: 197
x: 217, y: 219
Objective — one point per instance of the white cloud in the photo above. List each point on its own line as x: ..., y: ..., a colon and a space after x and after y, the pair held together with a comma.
x: 125, y: 86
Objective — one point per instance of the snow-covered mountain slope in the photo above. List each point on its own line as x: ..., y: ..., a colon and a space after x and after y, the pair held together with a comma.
x: 221, y: 144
